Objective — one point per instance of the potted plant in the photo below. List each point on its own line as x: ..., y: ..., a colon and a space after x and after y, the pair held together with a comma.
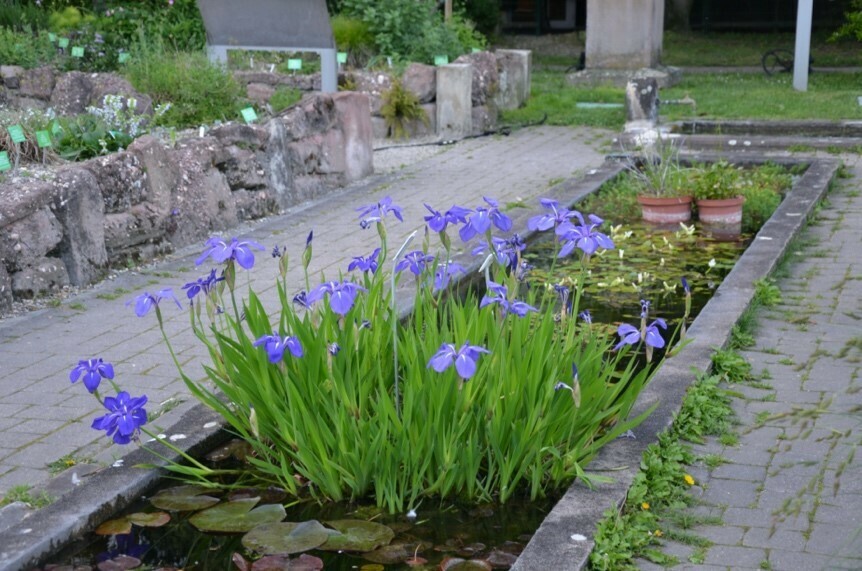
x: 661, y: 184
x: 718, y: 194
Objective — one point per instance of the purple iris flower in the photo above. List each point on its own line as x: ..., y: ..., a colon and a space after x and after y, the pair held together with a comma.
x: 583, y: 236
x: 586, y: 316
x: 125, y: 419
x: 92, y: 371
x: 221, y: 251
x: 438, y: 221
x: 368, y: 264
x: 376, y: 212
x: 464, y: 359
x: 653, y: 335
x: 482, y: 218
x: 146, y: 301
x: 333, y: 349
x: 645, y: 308
x: 562, y: 385
x: 444, y: 274
x: 506, y: 250
x: 277, y: 252
x: 499, y: 296
x: 275, y: 345
x: 556, y: 217
x: 685, y: 286
x: 523, y: 270
x: 204, y: 284
x: 563, y: 293
x: 341, y: 295
x: 629, y: 335
x: 309, y: 239
x: 415, y: 260
x: 301, y: 299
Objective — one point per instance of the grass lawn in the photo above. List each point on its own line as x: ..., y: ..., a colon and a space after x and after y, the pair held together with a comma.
x: 831, y: 96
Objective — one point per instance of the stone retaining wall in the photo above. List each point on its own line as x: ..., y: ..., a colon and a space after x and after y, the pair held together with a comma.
x: 67, y: 226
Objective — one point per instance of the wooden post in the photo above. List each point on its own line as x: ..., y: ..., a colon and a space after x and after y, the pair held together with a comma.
x: 447, y: 10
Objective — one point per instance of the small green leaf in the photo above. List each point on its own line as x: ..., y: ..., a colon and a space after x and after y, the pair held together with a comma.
x: 237, y: 516
x: 184, y: 498
x: 123, y: 524
x: 286, y: 537
x: 357, y: 535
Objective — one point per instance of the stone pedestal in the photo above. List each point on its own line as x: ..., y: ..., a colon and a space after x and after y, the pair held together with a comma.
x: 454, y: 102
x: 624, y: 34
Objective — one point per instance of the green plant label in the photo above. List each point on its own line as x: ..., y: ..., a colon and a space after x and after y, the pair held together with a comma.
x: 17, y: 134
x: 342, y: 57
x: 43, y: 139
x: 5, y: 165
x: 248, y: 115
x: 441, y: 60
x: 63, y: 43
x: 55, y: 128
x: 77, y: 51
x: 52, y: 37
x: 476, y: 50
x: 294, y: 64
x: 123, y: 57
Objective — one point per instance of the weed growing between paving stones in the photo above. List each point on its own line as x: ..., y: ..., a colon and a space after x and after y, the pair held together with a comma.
x: 22, y: 494
x: 477, y: 398
x: 658, y: 493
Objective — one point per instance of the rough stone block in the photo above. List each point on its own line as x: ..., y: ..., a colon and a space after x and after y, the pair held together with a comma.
x: 23, y: 197
x: 379, y: 128
x: 37, y: 83
x: 121, y: 178
x: 354, y: 122
x: 454, y: 107
x: 11, y: 75
x: 75, y: 91
x: 276, y: 159
x: 5, y: 290
x: 251, y: 204
x: 642, y: 100
x: 486, y: 76
x: 259, y: 92
x: 514, y: 68
x: 143, y: 224
x: 26, y: 240
x: 484, y: 119
x: 421, y: 80
x: 241, y: 169
x: 162, y: 172
x: 79, y: 207
x: 44, y: 276
x: 314, y: 114
x: 244, y: 136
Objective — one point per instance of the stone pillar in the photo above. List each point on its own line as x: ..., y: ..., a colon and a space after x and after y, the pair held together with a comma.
x: 454, y: 100
x: 514, y: 68
x: 642, y: 99
x: 624, y: 34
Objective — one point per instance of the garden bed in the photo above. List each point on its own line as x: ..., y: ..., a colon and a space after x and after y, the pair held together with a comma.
x: 129, y: 483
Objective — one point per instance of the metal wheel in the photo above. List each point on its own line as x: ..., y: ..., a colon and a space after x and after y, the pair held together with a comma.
x: 777, y: 61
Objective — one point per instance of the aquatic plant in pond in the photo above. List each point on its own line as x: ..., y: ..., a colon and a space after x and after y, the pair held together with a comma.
x: 339, y: 398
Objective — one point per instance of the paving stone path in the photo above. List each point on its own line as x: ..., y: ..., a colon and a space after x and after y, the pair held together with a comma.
x: 790, y: 495
x: 44, y: 418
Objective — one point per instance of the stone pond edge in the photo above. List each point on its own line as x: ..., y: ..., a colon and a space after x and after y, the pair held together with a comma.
x: 45, y: 531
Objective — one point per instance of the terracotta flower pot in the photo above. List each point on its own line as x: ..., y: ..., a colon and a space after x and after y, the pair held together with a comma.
x: 665, y: 209
x: 721, y: 212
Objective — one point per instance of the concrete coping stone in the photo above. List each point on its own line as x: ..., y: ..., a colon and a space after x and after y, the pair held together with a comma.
x: 103, y: 493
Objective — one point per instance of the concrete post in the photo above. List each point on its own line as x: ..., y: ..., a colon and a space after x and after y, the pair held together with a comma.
x: 454, y: 102
x: 624, y: 34
x: 803, y: 45
x: 515, y: 67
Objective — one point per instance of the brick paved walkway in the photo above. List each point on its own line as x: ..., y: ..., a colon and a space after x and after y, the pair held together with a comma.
x: 44, y: 418
x: 790, y: 495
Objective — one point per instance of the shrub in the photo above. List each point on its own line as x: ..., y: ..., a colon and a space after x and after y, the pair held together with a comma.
x: 21, y: 16
x: 484, y: 13
x: 718, y: 180
x: 87, y: 136
x: 25, y: 48
x: 400, y: 109
x: 852, y: 27
x: 178, y: 24
x: 353, y: 36
x: 283, y: 98
x: 198, y: 90
x: 395, y: 24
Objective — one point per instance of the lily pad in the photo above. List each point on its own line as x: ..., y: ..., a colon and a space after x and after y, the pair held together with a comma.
x: 286, y: 537
x: 236, y: 448
x: 123, y: 524
x: 458, y: 564
x: 393, y: 554
x: 501, y: 559
x: 269, y: 495
x: 119, y: 563
x: 304, y: 562
x: 184, y: 499
x: 357, y: 535
x: 237, y: 516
